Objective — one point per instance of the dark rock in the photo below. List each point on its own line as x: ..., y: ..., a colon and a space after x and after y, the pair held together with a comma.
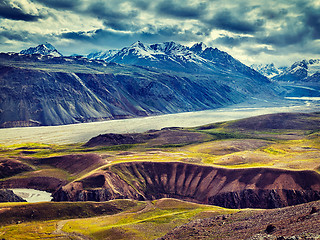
x: 314, y: 210
x: 270, y: 229
x: 9, y: 196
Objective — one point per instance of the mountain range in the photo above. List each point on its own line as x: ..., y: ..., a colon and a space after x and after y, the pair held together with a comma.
x: 175, y: 57
x: 39, y: 86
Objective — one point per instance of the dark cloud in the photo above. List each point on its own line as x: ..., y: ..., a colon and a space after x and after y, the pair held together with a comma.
x: 99, y: 37
x: 142, y: 4
x: 181, y: 9
x: 231, y: 21
x: 231, y: 41
x: 22, y: 36
x: 121, y: 25
x: 9, y: 35
x: 81, y: 36
x: 61, y: 4
x: 274, y: 14
x: 312, y: 21
x: 119, y: 39
x: 105, y: 10
x: 284, y: 38
x: 102, y: 10
x: 14, y: 13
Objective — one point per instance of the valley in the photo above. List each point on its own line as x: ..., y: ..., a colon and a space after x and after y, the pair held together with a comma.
x: 82, y: 132
x: 261, y: 162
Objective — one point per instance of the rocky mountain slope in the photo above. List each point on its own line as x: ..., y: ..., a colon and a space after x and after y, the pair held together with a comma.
x: 231, y: 188
x: 45, y: 90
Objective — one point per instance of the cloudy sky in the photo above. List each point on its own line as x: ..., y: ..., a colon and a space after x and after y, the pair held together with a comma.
x: 253, y: 31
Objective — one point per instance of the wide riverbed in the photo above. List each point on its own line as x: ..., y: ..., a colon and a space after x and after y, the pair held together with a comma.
x: 82, y: 132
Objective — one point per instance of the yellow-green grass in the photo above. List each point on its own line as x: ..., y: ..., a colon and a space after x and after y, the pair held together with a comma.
x: 11, y: 213
x: 156, y: 219
x: 40, y: 150
x: 30, y: 230
x: 289, y: 154
x: 122, y: 219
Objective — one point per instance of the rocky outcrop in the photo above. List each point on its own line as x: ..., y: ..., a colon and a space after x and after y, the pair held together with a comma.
x: 232, y: 188
x: 9, y: 196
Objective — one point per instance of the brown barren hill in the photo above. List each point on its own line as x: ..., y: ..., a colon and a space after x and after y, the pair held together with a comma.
x: 74, y: 163
x: 299, y: 121
x: 231, y: 188
x: 152, y: 138
x: 10, y: 167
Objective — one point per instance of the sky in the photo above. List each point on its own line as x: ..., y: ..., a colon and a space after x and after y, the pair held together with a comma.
x: 253, y: 31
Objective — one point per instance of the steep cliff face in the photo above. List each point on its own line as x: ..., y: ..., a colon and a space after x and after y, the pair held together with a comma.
x: 232, y: 188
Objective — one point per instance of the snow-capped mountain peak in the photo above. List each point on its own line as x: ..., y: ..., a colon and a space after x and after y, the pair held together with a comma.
x: 43, y: 49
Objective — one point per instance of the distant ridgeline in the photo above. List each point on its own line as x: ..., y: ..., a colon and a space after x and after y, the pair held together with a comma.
x: 40, y: 87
